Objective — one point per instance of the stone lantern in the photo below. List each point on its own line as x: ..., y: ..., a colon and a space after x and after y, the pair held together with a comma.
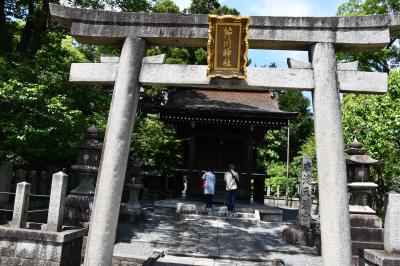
x: 88, y: 162
x: 365, y: 226
x: 132, y: 212
x: 78, y: 204
x: 359, y: 179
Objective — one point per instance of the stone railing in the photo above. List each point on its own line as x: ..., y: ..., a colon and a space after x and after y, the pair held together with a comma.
x: 50, y: 243
x: 40, y: 180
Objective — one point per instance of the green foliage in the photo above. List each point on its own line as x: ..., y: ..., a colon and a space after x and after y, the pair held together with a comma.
x: 132, y: 5
x: 155, y: 144
x: 383, y: 60
x: 165, y: 6
x: 274, y: 145
x: 196, y: 56
x: 178, y: 56
x: 368, y: 7
x: 375, y: 122
x: 271, y: 153
x: 210, y: 7
x: 40, y: 112
x: 306, y: 150
x: 124, y: 5
x: 302, y: 127
x: 277, y: 177
x: 276, y: 169
x: 201, y: 56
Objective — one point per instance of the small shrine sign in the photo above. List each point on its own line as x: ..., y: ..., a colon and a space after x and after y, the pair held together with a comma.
x: 227, y: 46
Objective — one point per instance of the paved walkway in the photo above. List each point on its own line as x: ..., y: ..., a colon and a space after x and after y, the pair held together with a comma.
x: 213, y: 241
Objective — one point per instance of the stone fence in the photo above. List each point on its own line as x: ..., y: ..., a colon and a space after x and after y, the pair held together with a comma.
x: 10, y: 176
x: 40, y: 181
x: 40, y: 244
x: 275, y: 196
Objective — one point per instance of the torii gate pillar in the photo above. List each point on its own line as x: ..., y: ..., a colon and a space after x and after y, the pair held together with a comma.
x: 332, y: 187
x: 117, y: 141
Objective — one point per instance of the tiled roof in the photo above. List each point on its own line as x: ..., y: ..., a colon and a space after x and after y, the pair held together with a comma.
x: 195, y: 99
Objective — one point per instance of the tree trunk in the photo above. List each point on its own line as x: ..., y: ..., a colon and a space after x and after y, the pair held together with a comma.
x: 35, y: 28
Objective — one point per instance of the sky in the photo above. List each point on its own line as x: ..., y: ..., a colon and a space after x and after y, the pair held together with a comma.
x: 301, y: 8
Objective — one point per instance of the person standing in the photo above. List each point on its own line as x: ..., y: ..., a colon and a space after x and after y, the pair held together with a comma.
x: 231, y: 182
x: 208, y: 183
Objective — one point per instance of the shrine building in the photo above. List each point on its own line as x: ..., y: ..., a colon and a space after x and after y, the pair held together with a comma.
x: 221, y: 127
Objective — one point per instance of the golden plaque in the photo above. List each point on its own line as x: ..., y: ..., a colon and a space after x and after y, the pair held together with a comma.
x: 227, y: 46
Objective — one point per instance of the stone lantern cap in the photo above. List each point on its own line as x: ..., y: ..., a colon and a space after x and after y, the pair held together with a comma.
x: 357, y: 155
x: 91, y: 140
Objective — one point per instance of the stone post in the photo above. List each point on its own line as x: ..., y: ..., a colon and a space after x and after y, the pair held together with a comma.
x: 21, y: 204
x: 268, y: 191
x: 304, y: 217
x: 392, y: 227
x: 6, y: 175
x: 110, y: 181
x: 334, y: 209
x: 57, y: 202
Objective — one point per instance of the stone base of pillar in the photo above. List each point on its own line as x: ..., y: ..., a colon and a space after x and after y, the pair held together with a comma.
x: 78, y: 209
x: 366, y: 233
x: 380, y: 257
x: 301, y: 236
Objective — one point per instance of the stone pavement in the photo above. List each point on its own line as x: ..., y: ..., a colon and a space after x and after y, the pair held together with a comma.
x: 211, y: 241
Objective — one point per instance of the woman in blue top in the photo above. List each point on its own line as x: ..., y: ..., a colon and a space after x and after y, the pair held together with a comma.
x: 208, y: 188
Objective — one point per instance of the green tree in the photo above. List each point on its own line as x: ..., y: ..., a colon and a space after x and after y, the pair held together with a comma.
x: 273, y: 148
x: 375, y: 122
x: 210, y: 7
x: 116, y: 5
x: 155, y: 144
x: 165, y: 6
x: 383, y: 60
x: 302, y: 127
x: 40, y: 112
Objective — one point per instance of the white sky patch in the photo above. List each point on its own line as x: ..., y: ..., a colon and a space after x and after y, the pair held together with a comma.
x: 182, y: 3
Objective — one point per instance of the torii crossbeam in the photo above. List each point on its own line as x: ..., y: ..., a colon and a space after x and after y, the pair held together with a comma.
x: 320, y: 36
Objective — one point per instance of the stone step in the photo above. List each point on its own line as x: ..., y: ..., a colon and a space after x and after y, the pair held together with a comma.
x: 357, y: 246
x: 193, y: 207
x: 175, y: 207
x: 219, y: 213
x: 194, y: 260
x: 366, y: 234
x: 365, y: 220
x: 211, y: 217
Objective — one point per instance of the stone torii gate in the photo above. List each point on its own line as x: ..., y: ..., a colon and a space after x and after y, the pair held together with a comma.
x: 320, y: 36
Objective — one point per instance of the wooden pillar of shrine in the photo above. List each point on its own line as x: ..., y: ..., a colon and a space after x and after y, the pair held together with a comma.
x: 191, y: 175
x: 258, y: 183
